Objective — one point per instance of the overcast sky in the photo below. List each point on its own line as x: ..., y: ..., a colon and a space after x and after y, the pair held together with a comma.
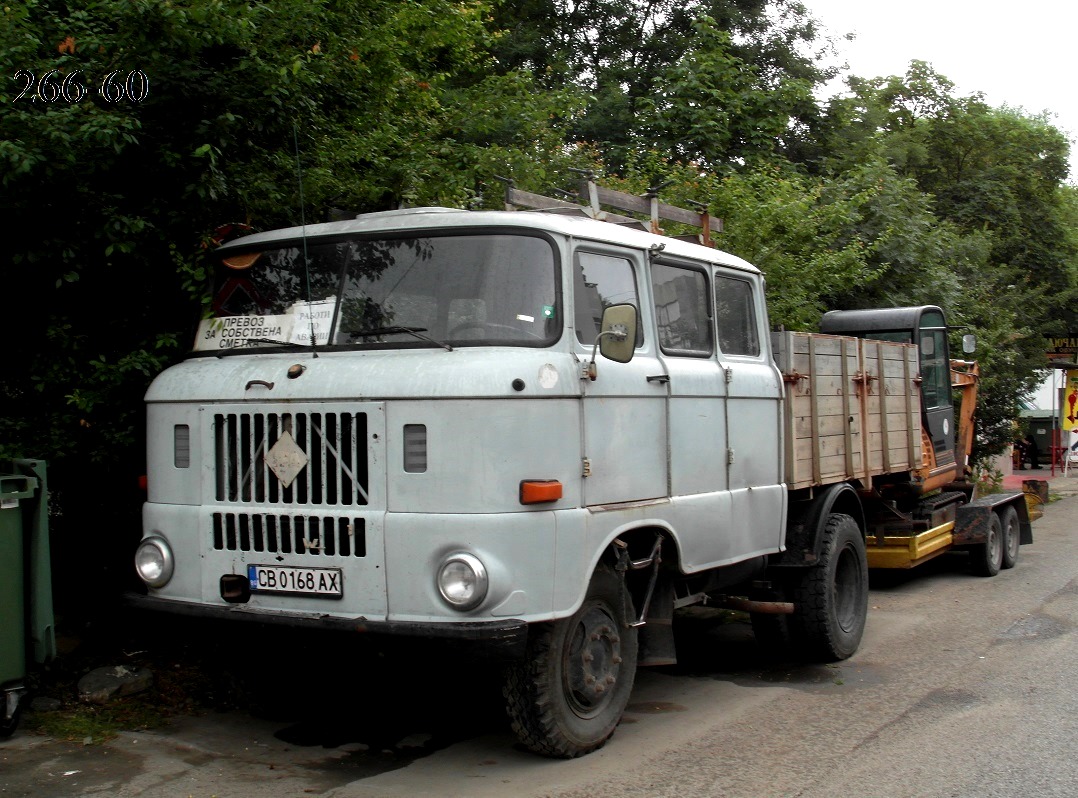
x: 1016, y: 54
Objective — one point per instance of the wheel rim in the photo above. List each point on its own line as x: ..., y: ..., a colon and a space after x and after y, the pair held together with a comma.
x: 995, y: 543
x: 1010, y: 537
x: 848, y: 579
x: 592, y: 661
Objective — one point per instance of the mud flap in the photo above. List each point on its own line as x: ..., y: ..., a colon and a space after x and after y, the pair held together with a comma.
x: 972, y: 520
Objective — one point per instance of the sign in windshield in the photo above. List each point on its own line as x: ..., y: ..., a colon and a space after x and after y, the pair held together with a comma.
x: 303, y: 323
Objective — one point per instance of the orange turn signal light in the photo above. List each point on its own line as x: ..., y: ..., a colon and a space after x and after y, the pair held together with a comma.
x: 537, y: 491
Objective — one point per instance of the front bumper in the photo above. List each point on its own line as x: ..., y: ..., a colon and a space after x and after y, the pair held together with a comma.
x: 501, y: 639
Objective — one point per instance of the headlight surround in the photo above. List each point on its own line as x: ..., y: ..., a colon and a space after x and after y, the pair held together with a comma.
x: 462, y: 581
x: 154, y: 561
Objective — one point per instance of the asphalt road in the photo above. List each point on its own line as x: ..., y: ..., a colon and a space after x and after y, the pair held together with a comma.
x: 963, y: 687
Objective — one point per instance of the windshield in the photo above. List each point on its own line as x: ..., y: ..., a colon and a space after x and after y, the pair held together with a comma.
x: 452, y: 290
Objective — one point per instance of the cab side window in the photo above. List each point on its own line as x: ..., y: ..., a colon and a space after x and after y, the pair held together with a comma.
x: 600, y: 281
x: 935, y: 365
x: 735, y: 313
x: 683, y: 319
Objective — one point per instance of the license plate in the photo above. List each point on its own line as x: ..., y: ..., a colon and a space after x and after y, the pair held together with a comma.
x: 298, y: 581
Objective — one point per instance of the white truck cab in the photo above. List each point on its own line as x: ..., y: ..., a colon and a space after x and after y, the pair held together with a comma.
x: 399, y: 424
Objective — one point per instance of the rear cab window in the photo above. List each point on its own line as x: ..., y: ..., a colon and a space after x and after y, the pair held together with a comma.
x: 682, y: 310
x: 736, y: 318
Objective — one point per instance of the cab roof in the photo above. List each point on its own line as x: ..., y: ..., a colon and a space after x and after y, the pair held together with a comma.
x: 858, y: 322
x: 444, y: 219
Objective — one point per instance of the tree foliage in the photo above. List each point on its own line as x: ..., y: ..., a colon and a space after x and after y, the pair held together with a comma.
x: 714, y: 108
x: 645, y: 66
x: 995, y: 178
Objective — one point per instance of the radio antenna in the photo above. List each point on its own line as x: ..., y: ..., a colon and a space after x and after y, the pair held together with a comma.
x: 303, y: 236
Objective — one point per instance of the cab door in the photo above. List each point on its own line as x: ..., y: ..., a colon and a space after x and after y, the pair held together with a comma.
x: 625, y: 407
x: 936, y: 385
x: 696, y: 413
x: 753, y: 414
x: 696, y: 387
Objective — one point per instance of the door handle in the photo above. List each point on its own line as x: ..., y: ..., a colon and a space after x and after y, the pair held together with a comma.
x: 660, y: 378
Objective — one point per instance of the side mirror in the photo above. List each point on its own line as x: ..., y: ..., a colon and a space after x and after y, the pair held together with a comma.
x: 617, y: 335
x: 969, y: 344
x: 616, y: 338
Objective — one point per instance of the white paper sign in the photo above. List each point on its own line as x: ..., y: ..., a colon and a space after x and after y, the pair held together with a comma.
x: 294, y: 327
x: 312, y: 318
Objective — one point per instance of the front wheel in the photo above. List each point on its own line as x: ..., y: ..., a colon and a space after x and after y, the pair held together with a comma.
x: 567, y: 696
x: 831, y: 598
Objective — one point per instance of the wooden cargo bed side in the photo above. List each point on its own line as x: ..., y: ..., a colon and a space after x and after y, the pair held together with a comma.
x: 852, y: 407
x: 893, y: 406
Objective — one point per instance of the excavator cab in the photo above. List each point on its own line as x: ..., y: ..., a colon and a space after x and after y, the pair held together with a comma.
x: 926, y: 327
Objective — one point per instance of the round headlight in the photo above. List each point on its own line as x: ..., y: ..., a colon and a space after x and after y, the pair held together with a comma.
x: 154, y: 562
x: 462, y: 581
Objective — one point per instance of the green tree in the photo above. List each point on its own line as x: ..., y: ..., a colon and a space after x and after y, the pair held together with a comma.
x: 618, y: 51
x: 717, y: 110
x: 996, y: 178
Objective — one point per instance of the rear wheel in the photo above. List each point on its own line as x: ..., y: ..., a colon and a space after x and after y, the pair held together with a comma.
x: 1012, y: 536
x: 568, y: 695
x: 985, y: 559
x: 831, y: 598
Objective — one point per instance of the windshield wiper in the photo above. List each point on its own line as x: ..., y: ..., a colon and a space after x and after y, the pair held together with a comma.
x: 272, y: 341
x: 416, y: 331
x: 247, y: 341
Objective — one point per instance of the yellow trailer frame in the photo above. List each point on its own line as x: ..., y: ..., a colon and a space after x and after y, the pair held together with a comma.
x: 908, y: 551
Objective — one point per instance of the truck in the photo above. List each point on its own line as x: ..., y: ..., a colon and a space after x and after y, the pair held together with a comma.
x: 539, y: 432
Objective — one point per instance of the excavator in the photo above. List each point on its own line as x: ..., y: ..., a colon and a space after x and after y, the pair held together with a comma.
x: 917, y: 516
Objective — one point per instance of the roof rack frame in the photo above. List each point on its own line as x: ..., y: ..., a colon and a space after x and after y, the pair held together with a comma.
x: 597, y: 196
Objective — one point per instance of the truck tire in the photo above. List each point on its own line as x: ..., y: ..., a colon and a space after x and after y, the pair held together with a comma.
x: 831, y: 597
x: 1012, y: 536
x: 568, y: 694
x: 985, y: 559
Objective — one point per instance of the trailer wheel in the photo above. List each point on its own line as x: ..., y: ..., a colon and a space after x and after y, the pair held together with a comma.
x: 567, y: 696
x: 1012, y: 536
x: 831, y: 598
x: 985, y: 559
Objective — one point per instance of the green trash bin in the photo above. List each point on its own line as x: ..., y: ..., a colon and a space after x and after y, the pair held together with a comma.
x: 26, y: 616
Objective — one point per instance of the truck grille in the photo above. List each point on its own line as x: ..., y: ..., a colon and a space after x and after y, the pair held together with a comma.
x: 290, y: 534
x: 331, y: 460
